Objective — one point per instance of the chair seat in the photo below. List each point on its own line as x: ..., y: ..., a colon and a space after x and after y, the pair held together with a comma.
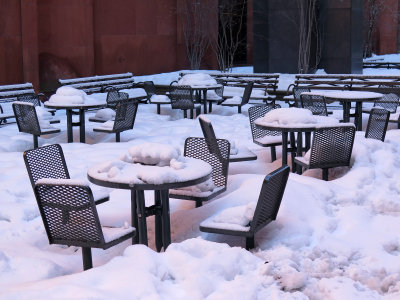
x: 114, y: 233
x: 160, y: 99
x: 269, y: 140
x: 243, y: 154
x: 49, y: 130
x: 54, y: 121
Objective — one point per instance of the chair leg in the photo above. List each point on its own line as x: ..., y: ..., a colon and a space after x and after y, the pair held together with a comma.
x: 249, y: 242
x: 185, y: 114
x: 273, y: 153
x: 199, y: 203
x: 118, y: 137
x: 35, y: 141
x: 158, y: 108
x: 191, y: 113
x: 325, y: 174
x: 239, y: 109
x: 87, y: 258
x: 198, y: 111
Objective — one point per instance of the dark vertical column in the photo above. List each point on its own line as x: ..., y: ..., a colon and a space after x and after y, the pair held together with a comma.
x: 341, y: 28
x: 275, y: 36
x: 29, y: 33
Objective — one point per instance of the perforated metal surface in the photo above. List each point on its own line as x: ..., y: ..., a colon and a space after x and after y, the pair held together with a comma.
x: 297, y: 90
x: 181, y: 97
x: 125, y: 115
x: 259, y: 111
x: 270, y: 198
x: 211, y: 139
x: 247, y: 93
x: 46, y: 162
x: 332, y: 147
x: 388, y: 102
x: 197, y: 148
x: 150, y: 89
x: 26, y: 117
x: 69, y: 215
x: 315, y: 103
x: 377, y: 124
x: 113, y: 97
x: 30, y: 98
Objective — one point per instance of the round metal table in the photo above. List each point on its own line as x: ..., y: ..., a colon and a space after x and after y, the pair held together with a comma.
x: 160, y: 209
x: 203, y: 89
x: 347, y: 97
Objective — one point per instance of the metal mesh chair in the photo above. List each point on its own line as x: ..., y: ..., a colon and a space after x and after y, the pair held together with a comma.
x: 125, y: 116
x: 315, y: 103
x: 261, y: 136
x: 114, y: 97
x: 245, y: 98
x: 182, y: 98
x: 28, y: 122
x: 219, y: 161
x: 48, y: 162
x: 211, y: 139
x: 331, y: 147
x: 297, y: 90
x: 35, y: 100
x: 389, y: 102
x: 266, y: 210
x: 70, y: 218
x: 151, y: 90
x: 377, y: 124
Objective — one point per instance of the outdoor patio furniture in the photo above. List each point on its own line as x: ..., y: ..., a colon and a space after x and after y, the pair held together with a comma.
x: 28, y: 121
x: 245, y: 98
x: 49, y: 162
x: 113, y: 97
x: 35, y: 100
x: 182, y: 98
x: 218, y: 159
x: 151, y: 91
x: 209, y: 134
x: 377, y: 124
x: 297, y: 90
x: 70, y: 218
x: 331, y: 147
x: 125, y: 116
x: 263, y: 137
x: 315, y: 103
x: 265, y: 211
x: 389, y: 102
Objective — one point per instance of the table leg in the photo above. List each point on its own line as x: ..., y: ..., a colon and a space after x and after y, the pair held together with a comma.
x: 141, y: 214
x: 308, y: 141
x: 346, y: 111
x: 205, y: 101
x: 284, y: 148
x: 166, y: 225
x: 69, y: 126
x: 358, y: 117
x: 82, y: 125
x: 299, y: 150
x: 134, y: 220
x: 158, y: 221
x: 294, y: 148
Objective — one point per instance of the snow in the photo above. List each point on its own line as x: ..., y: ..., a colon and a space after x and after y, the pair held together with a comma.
x: 105, y: 114
x: 68, y: 95
x: 331, y: 240
x: 197, y: 79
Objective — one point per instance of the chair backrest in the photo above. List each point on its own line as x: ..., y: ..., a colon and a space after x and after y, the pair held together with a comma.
x: 332, y: 146
x: 388, y: 101
x: 46, y: 162
x: 315, y: 103
x: 389, y: 89
x: 377, y: 124
x: 181, y: 97
x: 197, y: 148
x: 114, y: 96
x: 30, y: 98
x: 125, y: 115
x: 247, y: 93
x: 69, y: 214
x: 150, y: 89
x: 259, y: 111
x: 297, y: 90
x: 209, y: 135
x: 27, y: 120
x: 270, y: 198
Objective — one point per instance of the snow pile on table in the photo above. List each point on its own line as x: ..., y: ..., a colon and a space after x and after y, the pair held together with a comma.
x: 152, y: 154
x: 68, y: 95
x: 197, y: 79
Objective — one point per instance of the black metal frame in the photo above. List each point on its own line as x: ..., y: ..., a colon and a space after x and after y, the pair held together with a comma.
x: 182, y: 97
x: 377, y: 124
x: 70, y: 218
x: 267, y: 208
x: 245, y: 98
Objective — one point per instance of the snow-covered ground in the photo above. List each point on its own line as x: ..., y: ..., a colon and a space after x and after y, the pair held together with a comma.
x: 331, y: 240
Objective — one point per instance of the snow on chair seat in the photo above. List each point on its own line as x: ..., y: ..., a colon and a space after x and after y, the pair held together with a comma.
x: 248, y: 219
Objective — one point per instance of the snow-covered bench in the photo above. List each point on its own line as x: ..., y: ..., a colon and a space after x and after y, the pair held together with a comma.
x: 95, y: 84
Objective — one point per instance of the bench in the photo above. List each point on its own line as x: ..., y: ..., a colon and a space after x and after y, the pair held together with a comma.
x: 265, y: 81
x: 380, y: 65
x: 97, y: 84
x: 9, y: 93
